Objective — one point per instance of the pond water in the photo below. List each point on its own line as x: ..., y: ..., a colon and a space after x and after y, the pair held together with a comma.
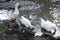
x: 31, y: 10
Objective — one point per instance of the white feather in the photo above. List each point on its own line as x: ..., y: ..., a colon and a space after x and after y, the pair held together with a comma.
x: 14, y: 15
x: 5, y: 14
x: 26, y: 22
x: 48, y: 25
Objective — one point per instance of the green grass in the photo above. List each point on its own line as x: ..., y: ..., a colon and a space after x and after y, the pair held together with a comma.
x: 8, y: 37
x: 3, y: 27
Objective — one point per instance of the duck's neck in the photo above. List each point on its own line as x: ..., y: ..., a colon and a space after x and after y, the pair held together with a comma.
x: 16, y: 8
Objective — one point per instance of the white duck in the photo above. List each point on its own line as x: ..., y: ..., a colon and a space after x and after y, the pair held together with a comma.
x: 48, y: 25
x: 14, y: 15
x: 26, y: 22
x: 5, y: 14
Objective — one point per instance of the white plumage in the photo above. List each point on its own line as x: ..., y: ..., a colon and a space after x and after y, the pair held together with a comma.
x: 26, y: 22
x: 5, y: 14
x: 14, y: 15
x: 48, y: 25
